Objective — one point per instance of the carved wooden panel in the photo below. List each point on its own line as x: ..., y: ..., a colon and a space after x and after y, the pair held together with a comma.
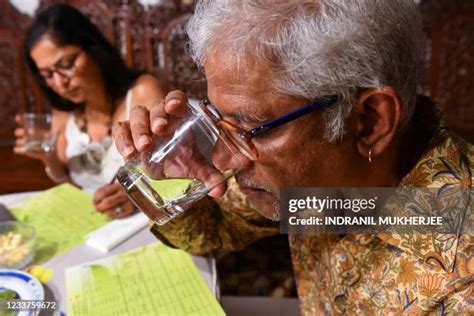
x: 454, y: 66
x: 156, y: 19
x: 17, y: 94
x: 130, y: 24
x: 450, y: 30
x: 11, y: 99
x: 12, y: 75
x: 12, y: 19
x: 179, y: 68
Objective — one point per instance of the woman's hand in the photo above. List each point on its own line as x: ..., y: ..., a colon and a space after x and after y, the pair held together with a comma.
x: 112, y: 201
x: 20, y: 135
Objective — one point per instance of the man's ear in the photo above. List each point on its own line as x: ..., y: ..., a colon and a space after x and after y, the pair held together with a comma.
x: 379, y: 117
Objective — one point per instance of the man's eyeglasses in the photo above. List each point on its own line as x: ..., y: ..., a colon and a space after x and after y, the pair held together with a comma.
x: 66, y: 67
x: 242, y: 138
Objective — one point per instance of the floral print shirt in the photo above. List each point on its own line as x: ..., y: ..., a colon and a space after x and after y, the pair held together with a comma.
x: 370, y: 274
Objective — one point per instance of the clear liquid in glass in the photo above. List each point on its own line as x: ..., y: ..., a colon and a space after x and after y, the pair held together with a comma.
x: 38, y: 146
x: 162, y: 200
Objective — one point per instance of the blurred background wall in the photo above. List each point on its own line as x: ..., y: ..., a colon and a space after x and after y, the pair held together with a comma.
x: 150, y: 36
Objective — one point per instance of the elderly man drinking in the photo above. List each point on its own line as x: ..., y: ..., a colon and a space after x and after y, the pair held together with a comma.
x: 357, y: 60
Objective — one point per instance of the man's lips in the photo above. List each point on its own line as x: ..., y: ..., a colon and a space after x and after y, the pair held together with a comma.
x: 252, y: 191
x: 261, y: 198
x: 249, y: 189
x: 252, y: 188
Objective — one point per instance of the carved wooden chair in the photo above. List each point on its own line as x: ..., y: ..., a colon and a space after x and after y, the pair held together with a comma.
x: 179, y: 70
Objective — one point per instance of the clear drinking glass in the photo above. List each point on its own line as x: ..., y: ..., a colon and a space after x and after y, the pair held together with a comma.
x: 39, y: 136
x: 194, y: 156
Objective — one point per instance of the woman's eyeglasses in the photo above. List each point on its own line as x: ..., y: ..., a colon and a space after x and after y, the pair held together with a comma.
x: 66, y: 67
x: 242, y: 138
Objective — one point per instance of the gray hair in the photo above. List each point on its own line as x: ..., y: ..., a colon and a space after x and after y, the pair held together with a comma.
x: 316, y: 48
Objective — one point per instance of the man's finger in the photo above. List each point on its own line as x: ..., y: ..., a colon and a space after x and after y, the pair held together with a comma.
x: 219, y: 190
x: 212, y: 179
x: 175, y: 103
x: 140, y: 127
x: 123, y: 139
x: 158, y: 117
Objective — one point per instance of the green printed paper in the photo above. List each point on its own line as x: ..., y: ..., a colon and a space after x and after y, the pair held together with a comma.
x: 62, y: 217
x: 152, y: 280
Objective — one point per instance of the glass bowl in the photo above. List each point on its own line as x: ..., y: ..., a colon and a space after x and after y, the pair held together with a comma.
x: 17, y: 244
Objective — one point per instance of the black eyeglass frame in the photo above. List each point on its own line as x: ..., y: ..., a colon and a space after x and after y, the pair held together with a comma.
x: 64, y: 72
x: 244, y: 136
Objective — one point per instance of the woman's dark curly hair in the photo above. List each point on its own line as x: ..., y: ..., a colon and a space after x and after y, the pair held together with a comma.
x: 67, y: 26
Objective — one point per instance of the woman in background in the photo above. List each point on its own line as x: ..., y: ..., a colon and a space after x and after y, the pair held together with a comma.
x: 89, y: 87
